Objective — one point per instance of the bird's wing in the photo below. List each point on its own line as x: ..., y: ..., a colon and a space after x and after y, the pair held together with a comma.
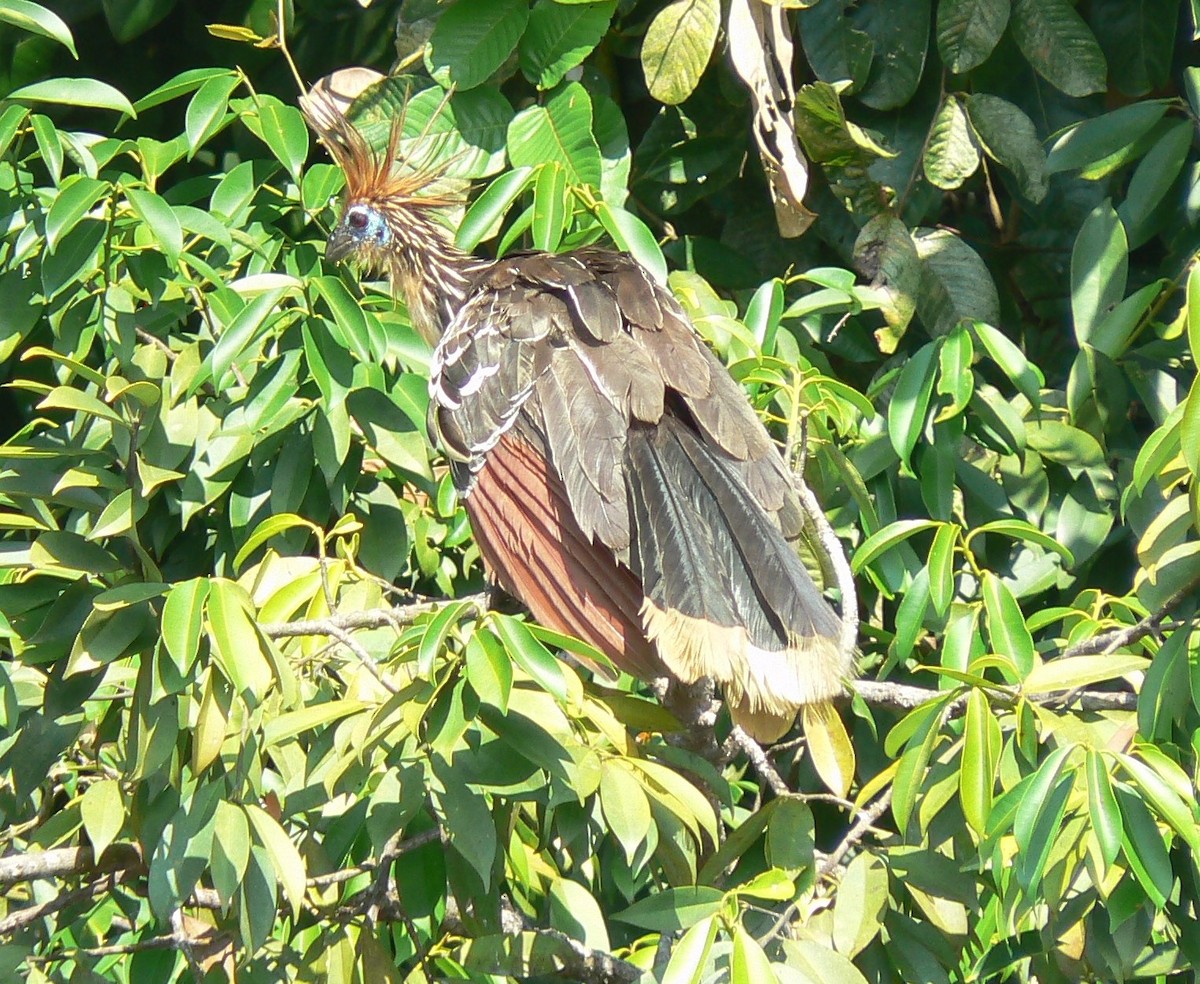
x: 661, y: 464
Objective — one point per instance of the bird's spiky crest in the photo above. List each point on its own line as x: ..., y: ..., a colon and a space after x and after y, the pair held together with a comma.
x: 372, y: 176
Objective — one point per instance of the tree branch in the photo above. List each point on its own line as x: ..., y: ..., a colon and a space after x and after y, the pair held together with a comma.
x: 371, y: 618
x: 1109, y: 642
x: 906, y: 697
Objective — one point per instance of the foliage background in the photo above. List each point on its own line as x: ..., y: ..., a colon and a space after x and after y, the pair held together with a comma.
x: 242, y: 732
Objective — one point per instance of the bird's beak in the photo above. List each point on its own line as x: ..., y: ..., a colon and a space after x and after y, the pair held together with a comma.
x: 339, y: 245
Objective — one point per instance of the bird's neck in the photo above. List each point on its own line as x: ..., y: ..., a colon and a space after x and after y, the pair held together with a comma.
x: 432, y: 274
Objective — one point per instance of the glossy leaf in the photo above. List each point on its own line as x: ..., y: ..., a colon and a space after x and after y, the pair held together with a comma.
x: 473, y: 38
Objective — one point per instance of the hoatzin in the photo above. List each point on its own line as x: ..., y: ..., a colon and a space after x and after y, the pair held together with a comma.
x: 616, y: 477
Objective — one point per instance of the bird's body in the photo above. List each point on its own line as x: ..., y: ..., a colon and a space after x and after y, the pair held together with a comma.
x: 617, y: 480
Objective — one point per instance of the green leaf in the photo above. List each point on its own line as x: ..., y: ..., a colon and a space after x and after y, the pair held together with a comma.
x: 1144, y: 849
x: 36, y: 19
x: 180, y: 85
x: 71, y: 552
x: 182, y: 621
x: 1159, y: 794
x: 560, y: 131
x: 955, y: 378
x: 485, y: 213
x: 433, y: 639
x: 76, y: 196
x: 749, y: 964
x: 672, y: 909
x: 1099, y: 269
x: 550, y: 215
x: 119, y: 516
x: 288, y: 864
x: 74, y: 261
x: 677, y: 47
x: 941, y: 567
x: 206, y: 111
x: 914, y: 763
x: 270, y: 527
x: 347, y: 314
x: 1012, y: 361
x: 1153, y: 179
x: 560, y: 36
x: 237, y: 647
x: 1113, y: 335
x: 1009, y: 137
x: 835, y: 45
x: 950, y: 152
x: 791, y: 831
x: 955, y: 284
x: 161, y: 219
x: 626, y: 813
x: 127, y: 19
x: 283, y: 130
x: 489, y: 670
x: 909, y: 405
x: 634, y: 237
x: 1101, y: 137
x: 240, y: 332
x: 862, y: 900
x: 468, y: 821
x: 1138, y: 39
x: 883, y: 540
x: 885, y: 252
x: 1059, y: 45
x: 285, y: 727
x: 1074, y: 672
x: 968, y: 30
x: 981, y: 752
x: 102, y: 808
x: 49, y: 144
x: 1039, y: 816
x: 473, y: 38
x: 1033, y: 802
x: 534, y: 658
x: 689, y: 957
x: 1006, y: 624
x: 574, y: 911
x: 1103, y: 811
x: 1019, y: 529
x: 91, y: 93
x: 231, y: 849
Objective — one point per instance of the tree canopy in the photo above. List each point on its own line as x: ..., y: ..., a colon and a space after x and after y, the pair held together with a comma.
x: 258, y: 719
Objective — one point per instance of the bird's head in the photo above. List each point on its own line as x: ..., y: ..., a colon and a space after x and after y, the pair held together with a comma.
x: 388, y: 200
x: 362, y: 234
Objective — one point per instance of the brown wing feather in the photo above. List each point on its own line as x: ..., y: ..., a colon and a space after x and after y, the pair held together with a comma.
x: 535, y: 549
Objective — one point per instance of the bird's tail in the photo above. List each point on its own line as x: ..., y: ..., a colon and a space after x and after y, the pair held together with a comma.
x: 726, y: 595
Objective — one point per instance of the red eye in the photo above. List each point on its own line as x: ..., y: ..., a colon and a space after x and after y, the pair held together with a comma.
x: 357, y: 220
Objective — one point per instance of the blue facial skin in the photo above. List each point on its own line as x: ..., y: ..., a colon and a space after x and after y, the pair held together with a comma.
x: 362, y: 228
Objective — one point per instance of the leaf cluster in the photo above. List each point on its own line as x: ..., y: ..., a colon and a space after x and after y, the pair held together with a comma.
x: 256, y: 717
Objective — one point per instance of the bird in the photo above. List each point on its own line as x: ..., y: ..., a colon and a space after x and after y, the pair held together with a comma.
x: 617, y: 480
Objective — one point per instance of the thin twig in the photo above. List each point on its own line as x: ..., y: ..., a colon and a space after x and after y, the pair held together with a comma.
x: 372, y: 618
x: 827, y: 864
x: 862, y: 826
x: 283, y: 45
x: 25, y: 917
x: 183, y: 943
x: 145, y: 336
x: 1110, y: 642
x: 758, y: 758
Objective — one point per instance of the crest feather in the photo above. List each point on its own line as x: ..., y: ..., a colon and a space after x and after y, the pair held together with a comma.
x: 370, y: 175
